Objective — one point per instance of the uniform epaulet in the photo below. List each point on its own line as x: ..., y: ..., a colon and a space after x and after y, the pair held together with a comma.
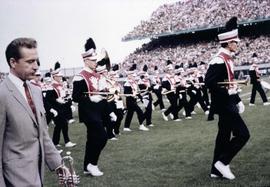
x: 127, y: 83
x: 77, y: 78
x: 216, y: 60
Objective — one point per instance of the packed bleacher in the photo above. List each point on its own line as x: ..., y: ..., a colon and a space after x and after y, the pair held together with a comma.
x: 194, y: 14
x: 186, y: 54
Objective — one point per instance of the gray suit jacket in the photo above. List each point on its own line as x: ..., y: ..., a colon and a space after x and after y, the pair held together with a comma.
x: 25, y: 144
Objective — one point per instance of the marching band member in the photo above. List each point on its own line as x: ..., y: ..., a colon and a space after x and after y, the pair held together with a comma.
x: 156, y: 87
x: 58, y: 106
x: 168, y: 84
x: 90, y: 109
x: 181, y: 92
x: 131, y: 90
x: 119, y: 105
x: 255, y: 80
x: 146, y: 96
x: 37, y: 80
x: 105, y: 85
x: 195, y: 92
x: 47, y: 87
x: 227, y: 104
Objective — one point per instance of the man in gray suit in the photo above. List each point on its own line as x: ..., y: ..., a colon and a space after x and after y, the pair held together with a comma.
x: 25, y: 144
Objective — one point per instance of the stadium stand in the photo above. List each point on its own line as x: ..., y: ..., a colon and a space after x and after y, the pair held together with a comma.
x: 189, y: 15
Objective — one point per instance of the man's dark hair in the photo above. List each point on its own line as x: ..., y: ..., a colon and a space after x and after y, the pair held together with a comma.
x: 13, y: 49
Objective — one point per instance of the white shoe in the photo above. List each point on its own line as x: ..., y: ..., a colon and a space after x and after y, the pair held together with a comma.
x: 127, y: 129
x: 177, y: 119
x: 251, y: 104
x: 266, y: 103
x: 213, y: 175
x: 93, y: 170
x: 163, y: 110
x: 113, y: 138
x: 206, y: 112
x: 188, y: 117
x: 171, y: 116
x: 164, y: 116
x: 193, y: 112
x: 224, y: 170
x: 58, y: 145
x: 143, y: 128
x: 60, y: 151
x: 151, y: 125
x: 70, y: 144
x: 71, y: 121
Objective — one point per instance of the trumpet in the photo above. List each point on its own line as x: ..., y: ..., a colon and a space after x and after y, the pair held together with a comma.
x: 244, y: 82
x: 66, y: 175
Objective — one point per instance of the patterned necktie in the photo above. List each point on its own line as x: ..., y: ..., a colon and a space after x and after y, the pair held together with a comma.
x: 29, y: 99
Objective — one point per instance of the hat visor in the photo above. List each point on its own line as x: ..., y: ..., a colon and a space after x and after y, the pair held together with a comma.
x: 234, y: 39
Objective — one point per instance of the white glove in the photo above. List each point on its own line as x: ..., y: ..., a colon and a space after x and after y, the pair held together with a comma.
x: 156, y: 87
x: 54, y: 112
x: 60, y: 100
x: 73, y: 108
x: 241, y: 107
x: 232, y: 91
x: 113, y: 116
x: 102, y: 84
x: 239, y: 90
x: 96, y: 98
x: 145, y: 102
x: 180, y: 96
x: 119, y: 104
x: 112, y: 90
x: 193, y: 91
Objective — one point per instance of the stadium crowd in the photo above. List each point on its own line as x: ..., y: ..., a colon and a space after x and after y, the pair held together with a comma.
x: 194, y: 14
x: 187, y: 54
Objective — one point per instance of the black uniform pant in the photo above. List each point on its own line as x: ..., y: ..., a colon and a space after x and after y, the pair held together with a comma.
x: 184, y: 103
x: 173, y: 106
x: 96, y: 141
x: 148, y: 113
x: 196, y: 98
x: 61, y: 125
x: 226, y: 146
x: 205, y: 95
x: 159, y: 100
x: 257, y: 87
x: 120, y: 115
x: 132, y: 107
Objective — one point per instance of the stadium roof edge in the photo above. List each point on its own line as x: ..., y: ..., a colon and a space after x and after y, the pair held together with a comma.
x: 193, y: 30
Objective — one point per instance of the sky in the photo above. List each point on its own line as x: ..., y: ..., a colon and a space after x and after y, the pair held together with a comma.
x: 61, y: 27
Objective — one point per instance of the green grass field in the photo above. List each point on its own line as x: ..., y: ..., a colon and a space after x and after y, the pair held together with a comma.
x: 176, y: 153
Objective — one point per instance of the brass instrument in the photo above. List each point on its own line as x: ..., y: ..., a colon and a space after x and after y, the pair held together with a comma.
x: 67, y: 176
x: 170, y: 91
x: 244, y: 82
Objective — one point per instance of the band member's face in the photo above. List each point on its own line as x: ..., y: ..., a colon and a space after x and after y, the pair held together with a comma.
x: 58, y: 78
x: 92, y: 64
x: 232, y: 46
x: 25, y: 67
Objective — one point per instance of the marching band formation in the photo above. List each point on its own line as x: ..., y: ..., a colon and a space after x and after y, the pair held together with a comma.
x: 104, y: 100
